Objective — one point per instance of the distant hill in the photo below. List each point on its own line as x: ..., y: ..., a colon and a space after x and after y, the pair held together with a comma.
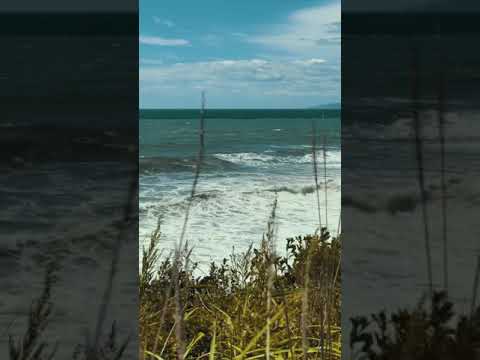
x: 328, y: 106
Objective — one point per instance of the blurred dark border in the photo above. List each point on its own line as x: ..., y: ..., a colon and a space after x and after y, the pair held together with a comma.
x: 67, y: 23
x: 69, y: 188
x: 410, y: 23
x: 409, y: 106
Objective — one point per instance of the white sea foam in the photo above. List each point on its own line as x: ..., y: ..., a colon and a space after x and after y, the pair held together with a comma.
x: 232, y: 210
x: 266, y: 159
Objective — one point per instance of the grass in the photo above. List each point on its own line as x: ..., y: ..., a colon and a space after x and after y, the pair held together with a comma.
x: 251, y: 306
x: 34, y: 344
x: 426, y: 332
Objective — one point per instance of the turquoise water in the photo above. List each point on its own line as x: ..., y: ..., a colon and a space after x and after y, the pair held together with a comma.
x: 248, y: 155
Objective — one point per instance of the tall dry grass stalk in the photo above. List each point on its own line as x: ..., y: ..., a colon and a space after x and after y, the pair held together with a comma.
x: 198, y: 164
x: 441, y: 126
x: 270, y: 259
x: 306, y: 285
x: 93, y: 345
x: 324, y: 148
x: 305, y: 299
x: 324, y: 152
x: 420, y: 166
x: 150, y: 259
x: 475, y: 287
x: 339, y: 225
x: 315, y: 173
x: 32, y: 345
x: 183, y: 248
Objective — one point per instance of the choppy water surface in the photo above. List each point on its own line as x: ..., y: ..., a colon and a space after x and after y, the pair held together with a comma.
x: 249, y: 154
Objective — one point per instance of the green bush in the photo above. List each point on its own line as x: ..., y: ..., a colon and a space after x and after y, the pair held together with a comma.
x: 254, y: 305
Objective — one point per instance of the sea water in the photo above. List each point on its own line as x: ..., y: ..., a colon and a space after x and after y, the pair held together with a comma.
x: 250, y: 156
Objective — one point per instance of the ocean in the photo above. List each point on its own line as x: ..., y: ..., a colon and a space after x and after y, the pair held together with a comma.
x: 249, y: 155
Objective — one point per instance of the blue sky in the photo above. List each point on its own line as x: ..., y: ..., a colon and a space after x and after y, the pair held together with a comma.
x: 244, y: 54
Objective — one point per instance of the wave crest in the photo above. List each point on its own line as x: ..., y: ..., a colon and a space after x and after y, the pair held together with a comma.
x: 267, y: 158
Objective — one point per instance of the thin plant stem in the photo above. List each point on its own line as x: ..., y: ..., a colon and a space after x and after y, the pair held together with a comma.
x: 198, y: 164
x: 419, y: 157
x: 441, y: 125
x: 270, y: 260
x: 180, y: 246
x: 315, y: 173
x: 304, y: 314
x: 339, y: 222
x: 475, y: 287
x: 325, y: 178
x: 127, y: 216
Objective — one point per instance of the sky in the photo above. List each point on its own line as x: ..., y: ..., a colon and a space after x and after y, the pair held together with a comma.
x: 243, y: 54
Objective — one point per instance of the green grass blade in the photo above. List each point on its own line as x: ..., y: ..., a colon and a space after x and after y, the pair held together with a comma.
x: 153, y: 355
x: 255, y: 339
x: 213, y: 343
x: 192, y: 343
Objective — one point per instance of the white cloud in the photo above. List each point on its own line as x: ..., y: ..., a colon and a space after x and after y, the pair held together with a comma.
x: 160, y: 41
x: 306, y: 31
x: 312, y: 61
x: 312, y: 77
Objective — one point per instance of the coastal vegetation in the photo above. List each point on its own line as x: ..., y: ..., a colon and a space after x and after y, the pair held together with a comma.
x: 433, y: 330
x: 254, y: 305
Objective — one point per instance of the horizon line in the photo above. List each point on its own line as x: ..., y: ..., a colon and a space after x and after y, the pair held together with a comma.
x: 232, y: 108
